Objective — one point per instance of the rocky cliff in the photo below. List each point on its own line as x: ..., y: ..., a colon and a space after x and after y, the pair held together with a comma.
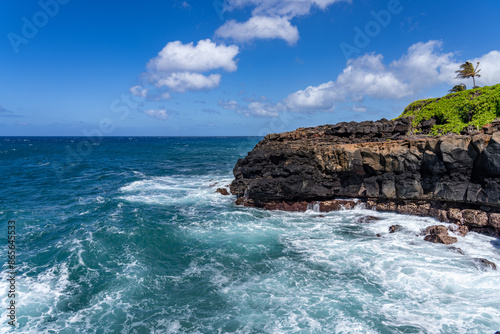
x: 455, y: 178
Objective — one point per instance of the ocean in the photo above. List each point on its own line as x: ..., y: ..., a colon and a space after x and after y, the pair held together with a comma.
x: 127, y: 235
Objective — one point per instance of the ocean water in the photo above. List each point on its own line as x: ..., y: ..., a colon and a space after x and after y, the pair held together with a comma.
x: 127, y: 235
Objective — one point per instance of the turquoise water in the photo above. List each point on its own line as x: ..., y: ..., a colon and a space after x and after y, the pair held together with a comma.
x: 127, y: 235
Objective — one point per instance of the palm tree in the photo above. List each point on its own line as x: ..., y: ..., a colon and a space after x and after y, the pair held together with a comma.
x: 467, y: 70
x: 458, y: 88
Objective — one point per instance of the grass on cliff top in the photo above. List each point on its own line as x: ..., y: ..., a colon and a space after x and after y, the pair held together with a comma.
x: 457, y: 111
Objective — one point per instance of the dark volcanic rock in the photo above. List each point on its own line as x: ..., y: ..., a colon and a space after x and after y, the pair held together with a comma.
x: 457, y: 250
x: 395, y: 228
x: 367, y: 219
x: 454, y: 178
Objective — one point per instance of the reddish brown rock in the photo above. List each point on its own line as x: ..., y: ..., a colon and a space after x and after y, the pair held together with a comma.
x: 222, y: 191
x: 455, y: 215
x: 436, y: 229
x: 475, y: 218
x: 287, y: 206
x: 462, y: 230
x: 485, y: 263
x: 495, y: 220
x: 439, y: 234
x: 440, y: 238
x: 336, y: 205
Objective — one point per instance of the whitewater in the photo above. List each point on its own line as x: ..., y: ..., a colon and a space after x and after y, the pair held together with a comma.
x: 131, y: 237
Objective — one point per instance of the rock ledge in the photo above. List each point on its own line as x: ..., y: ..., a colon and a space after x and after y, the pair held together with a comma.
x: 454, y: 178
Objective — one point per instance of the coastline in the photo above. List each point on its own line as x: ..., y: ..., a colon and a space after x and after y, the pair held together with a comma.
x: 453, y: 178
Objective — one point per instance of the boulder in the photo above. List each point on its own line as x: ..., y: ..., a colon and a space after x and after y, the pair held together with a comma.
x: 367, y: 219
x: 441, y: 239
x: 457, y: 250
x: 485, y: 263
x: 439, y: 234
x: 222, y: 191
x: 395, y: 228
x: 436, y: 229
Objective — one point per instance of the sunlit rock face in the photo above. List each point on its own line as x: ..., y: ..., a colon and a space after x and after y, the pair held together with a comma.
x: 455, y: 178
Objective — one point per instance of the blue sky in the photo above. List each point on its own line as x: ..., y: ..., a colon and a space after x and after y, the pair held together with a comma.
x: 230, y: 67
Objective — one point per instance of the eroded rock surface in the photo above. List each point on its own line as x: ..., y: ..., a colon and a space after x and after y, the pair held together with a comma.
x: 454, y: 178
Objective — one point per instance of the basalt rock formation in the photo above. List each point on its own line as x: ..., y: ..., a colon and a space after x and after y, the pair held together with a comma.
x: 454, y: 178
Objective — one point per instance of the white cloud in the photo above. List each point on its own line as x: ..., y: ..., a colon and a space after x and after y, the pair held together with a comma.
x: 259, y: 27
x: 180, y: 82
x: 313, y: 98
x: 422, y: 67
x: 490, y: 68
x: 425, y: 65
x: 256, y: 108
x: 179, y: 67
x: 260, y: 109
x: 231, y: 105
x: 139, y: 91
x: 270, y: 19
x: 205, y: 56
x: 284, y: 8
x: 160, y: 114
x: 165, y: 96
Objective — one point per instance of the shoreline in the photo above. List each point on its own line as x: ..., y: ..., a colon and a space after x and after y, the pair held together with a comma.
x: 453, y: 178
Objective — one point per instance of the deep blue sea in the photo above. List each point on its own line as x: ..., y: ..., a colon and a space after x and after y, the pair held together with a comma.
x: 127, y: 235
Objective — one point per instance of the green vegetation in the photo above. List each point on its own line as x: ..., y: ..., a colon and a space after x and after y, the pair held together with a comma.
x: 458, y: 88
x: 457, y: 111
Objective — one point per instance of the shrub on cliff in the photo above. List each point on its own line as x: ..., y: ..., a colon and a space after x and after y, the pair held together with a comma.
x: 457, y: 111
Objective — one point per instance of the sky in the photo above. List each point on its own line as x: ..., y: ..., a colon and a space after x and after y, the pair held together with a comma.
x: 231, y: 67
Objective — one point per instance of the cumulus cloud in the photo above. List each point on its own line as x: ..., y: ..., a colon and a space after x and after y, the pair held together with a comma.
x: 422, y: 67
x: 256, y: 108
x: 182, y: 67
x: 285, y: 8
x: 259, y: 27
x: 180, y: 82
x: 205, y: 56
x: 260, y: 109
x: 270, y: 19
x: 230, y: 105
x: 139, y: 91
x: 160, y: 114
x: 490, y: 65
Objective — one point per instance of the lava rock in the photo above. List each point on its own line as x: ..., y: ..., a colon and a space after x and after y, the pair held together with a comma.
x: 436, y: 230
x: 222, y: 191
x: 441, y: 239
x: 395, y: 228
x: 454, y: 178
x: 367, y: 219
x: 457, y: 250
x: 485, y: 263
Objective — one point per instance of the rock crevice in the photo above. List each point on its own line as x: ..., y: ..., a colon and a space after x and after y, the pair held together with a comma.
x: 455, y: 178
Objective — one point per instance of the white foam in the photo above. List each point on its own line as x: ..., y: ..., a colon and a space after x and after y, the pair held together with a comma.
x: 174, y: 191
